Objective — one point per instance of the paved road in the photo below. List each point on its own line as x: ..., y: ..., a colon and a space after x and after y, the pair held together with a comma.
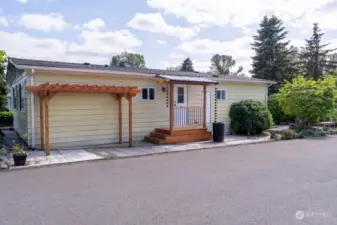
x: 256, y: 184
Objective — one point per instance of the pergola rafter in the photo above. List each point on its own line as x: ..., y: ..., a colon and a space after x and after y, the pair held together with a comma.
x: 46, y: 91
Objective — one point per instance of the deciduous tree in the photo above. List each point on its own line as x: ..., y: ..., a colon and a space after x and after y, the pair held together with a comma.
x: 308, y: 99
x: 130, y: 60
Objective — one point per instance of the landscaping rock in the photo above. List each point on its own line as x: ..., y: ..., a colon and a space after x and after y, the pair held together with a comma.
x: 278, y: 137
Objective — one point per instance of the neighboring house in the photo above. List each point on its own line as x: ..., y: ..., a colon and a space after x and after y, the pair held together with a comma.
x: 91, y: 104
x: 9, y: 97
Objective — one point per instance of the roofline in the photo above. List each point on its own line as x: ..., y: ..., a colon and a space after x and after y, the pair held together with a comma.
x: 56, y: 69
x: 116, y: 72
x: 245, y: 81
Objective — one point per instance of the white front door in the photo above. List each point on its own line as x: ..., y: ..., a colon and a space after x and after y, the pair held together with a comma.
x: 180, y: 101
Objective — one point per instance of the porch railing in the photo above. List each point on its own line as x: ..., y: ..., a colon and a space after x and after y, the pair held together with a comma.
x: 188, y: 116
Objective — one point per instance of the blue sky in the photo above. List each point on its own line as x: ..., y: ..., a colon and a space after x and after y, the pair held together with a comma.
x: 165, y: 32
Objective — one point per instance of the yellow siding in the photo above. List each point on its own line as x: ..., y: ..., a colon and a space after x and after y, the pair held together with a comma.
x: 81, y: 119
x: 237, y: 92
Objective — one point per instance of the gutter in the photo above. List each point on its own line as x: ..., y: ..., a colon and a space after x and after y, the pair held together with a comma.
x: 96, y: 72
x: 32, y: 107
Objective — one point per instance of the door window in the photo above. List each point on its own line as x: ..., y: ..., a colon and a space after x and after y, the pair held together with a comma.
x: 181, y: 95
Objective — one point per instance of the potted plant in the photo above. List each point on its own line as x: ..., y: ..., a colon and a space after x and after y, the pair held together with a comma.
x: 19, y: 154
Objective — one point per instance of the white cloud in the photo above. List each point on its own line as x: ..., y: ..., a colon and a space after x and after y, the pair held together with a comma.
x: 95, y: 24
x: 3, y: 21
x: 154, y: 22
x: 104, y: 43
x: 239, y: 13
x: 202, y: 50
x: 95, y: 48
x: 45, y: 22
x: 23, y: 1
x: 162, y: 42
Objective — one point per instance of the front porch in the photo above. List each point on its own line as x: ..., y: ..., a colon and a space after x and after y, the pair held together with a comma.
x: 188, y: 121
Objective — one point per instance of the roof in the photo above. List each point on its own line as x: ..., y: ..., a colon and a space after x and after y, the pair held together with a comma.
x: 202, y: 80
x: 92, y: 68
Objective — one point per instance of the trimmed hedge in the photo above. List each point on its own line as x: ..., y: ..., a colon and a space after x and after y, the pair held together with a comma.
x: 6, y: 118
x: 249, y: 117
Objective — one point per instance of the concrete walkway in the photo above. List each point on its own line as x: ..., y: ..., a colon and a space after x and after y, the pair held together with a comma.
x: 65, y: 156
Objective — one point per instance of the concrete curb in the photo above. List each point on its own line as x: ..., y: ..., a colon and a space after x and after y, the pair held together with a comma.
x: 11, y: 169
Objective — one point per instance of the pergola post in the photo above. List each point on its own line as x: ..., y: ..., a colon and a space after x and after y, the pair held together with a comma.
x: 205, y: 100
x: 41, y: 98
x: 130, y: 120
x: 46, y: 110
x: 120, y: 125
x: 171, y: 106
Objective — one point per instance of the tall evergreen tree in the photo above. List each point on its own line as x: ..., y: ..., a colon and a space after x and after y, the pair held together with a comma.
x: 273, y: 56
x: 315, y: 56
x: 187, y: 65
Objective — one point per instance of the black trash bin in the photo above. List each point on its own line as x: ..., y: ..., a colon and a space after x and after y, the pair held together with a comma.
x: 218, y: 132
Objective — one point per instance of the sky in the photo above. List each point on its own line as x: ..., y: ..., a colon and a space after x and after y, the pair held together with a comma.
x: 164, y: 31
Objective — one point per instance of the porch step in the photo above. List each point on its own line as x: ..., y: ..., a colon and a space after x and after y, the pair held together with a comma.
x: 162, y: 136
x: 182, y: 131
x: 153, y: 140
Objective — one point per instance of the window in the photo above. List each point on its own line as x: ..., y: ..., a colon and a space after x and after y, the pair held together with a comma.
x: 221, y: 94
x: 148, y: 94
x: 181, y: 95
x: 19, y: 97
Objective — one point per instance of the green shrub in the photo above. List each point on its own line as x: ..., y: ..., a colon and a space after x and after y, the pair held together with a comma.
x: 277, y: 112
x: 249, y: 117
x: 312, y: 133
x: 289, y: 134
x: 6, y: 118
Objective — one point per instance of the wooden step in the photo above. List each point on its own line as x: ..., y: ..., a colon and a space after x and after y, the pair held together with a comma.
x: 179, y: 139
x: 181, y: 132
x: 188, y: 138
x: 158, y: 135
x: 153, y: 140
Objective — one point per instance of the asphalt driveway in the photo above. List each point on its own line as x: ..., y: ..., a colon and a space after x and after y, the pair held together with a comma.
x: 256, y: 184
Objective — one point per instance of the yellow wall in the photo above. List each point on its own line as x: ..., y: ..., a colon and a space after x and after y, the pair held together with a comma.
x: 81, y: 119
x: 236, y: 92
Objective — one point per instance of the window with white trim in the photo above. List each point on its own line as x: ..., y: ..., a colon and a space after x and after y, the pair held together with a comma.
x: 221, y: 94
x: 149, y: 93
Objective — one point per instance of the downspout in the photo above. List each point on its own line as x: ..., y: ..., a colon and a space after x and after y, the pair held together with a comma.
x: 267, y: 94
x: 32, y: 107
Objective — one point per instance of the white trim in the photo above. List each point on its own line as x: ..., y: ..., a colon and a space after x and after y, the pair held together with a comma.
x: 19, y: 79
x: 31, y: 83
x: 148, y: 100
x: 216, y: 94
x: 115, y: 72
x: 244, y: 81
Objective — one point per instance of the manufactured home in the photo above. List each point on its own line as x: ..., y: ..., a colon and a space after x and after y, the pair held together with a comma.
x: 63, y: 105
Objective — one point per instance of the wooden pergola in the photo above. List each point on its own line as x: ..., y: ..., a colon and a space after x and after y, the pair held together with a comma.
x: 47, y: 91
